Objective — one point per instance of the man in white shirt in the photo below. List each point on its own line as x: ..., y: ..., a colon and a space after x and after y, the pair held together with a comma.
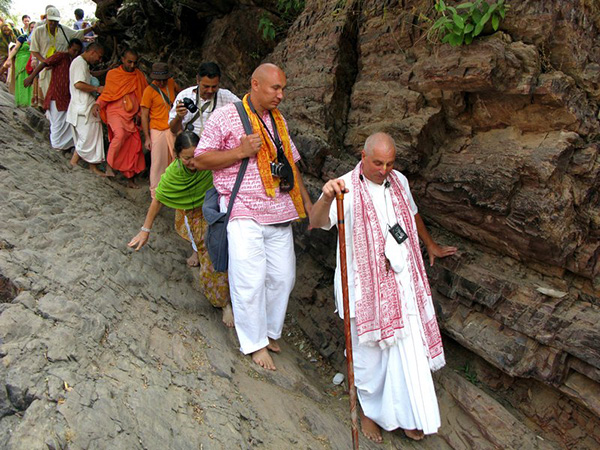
x: 83, y: 112
x: 395, y: 337
x: 51, y: 37
x: 206, y: 97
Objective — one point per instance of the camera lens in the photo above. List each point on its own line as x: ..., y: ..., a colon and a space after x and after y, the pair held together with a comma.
x: 190, y: 105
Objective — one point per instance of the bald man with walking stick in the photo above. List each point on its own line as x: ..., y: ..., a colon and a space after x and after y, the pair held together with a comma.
x: 395, y: 338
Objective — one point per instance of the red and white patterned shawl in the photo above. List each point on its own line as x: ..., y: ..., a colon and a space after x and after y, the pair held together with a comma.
x: 378, y: 310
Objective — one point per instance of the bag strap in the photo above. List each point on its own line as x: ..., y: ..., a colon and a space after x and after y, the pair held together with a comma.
x: 64, y: 34
x: 166, y: 99
x: 238, y: 181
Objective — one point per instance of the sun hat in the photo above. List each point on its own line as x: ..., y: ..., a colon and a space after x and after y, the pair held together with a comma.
x: 160, y: 71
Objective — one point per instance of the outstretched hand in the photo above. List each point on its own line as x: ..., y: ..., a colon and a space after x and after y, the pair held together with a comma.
x: 140, y: 240
x: 437, y: 251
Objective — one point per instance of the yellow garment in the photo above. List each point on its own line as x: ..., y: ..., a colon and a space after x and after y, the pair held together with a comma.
x: 52, y: 48
x: 268, y: 153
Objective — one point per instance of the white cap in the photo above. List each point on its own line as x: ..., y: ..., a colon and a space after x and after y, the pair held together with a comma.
x: 53, y: 14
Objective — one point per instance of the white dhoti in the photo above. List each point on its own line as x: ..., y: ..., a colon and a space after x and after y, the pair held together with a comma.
x: 89, y: 143
x: 61, y: 133
x: 394, y: 384
x: 161, y: 154
x: 262, y: 272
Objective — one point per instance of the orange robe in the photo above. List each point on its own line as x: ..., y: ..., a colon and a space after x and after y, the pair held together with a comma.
x: 119, y: 105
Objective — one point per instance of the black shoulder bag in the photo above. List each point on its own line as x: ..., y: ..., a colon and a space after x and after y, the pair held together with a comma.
x: 216, y: 234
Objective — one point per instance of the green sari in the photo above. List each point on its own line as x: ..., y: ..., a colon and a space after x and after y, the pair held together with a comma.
x: 22, y: 94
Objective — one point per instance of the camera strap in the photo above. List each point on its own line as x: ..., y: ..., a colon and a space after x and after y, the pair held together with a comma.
x: 281, y: 158
x: 203, y: 108
x: 166, y: 97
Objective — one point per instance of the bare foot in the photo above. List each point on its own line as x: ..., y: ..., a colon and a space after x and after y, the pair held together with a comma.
x: 131, y: 184
x: 263, y: 359
x: 109, y: 171
x: 370, y: 429
x: 416, y: 435
x: 192, y: 261
x: 74, y: 159
x: 228, y: 315
x: 94, y: 169
x: 274, y: 346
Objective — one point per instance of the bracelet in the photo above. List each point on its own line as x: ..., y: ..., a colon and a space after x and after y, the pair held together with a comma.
x: 147, y: 230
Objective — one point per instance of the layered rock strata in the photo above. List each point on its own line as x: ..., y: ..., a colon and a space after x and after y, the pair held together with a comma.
x: 500, y: 142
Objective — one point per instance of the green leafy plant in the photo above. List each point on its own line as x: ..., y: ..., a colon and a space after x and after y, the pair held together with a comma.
x: 5, y: 7
x: 461, y: 24
x: 290, y: 6
x: 469, y: 373
x: 288, y: 11
x: 268, y: 29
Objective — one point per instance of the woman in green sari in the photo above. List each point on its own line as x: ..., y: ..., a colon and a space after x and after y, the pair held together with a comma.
x: 18, y: 58
x: 183, y: 188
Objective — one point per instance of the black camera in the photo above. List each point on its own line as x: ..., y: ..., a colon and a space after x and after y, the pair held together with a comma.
x: 278, y: 169
x: 285, y: 174
x: 190, y: 105
x: 398, y: 233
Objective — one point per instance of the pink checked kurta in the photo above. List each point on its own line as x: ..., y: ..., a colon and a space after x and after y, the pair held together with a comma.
x: 223, y: 132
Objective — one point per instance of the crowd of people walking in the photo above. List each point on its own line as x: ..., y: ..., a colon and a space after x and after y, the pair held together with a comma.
x: 205, y: 137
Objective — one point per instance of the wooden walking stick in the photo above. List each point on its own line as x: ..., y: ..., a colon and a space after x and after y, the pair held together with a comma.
x: 349, y: 359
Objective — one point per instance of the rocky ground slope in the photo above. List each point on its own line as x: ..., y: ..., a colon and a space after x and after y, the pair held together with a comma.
x: 500, y: 141
x: 101, y: 347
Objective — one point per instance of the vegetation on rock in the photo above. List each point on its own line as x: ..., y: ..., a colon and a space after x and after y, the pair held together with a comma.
x: 461, y: 24
x: 289, y: 10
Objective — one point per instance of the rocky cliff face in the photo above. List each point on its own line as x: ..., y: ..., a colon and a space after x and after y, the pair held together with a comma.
x: 500, y: 141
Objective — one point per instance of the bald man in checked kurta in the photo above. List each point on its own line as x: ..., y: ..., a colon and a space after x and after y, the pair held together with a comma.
x: 262, y: 263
